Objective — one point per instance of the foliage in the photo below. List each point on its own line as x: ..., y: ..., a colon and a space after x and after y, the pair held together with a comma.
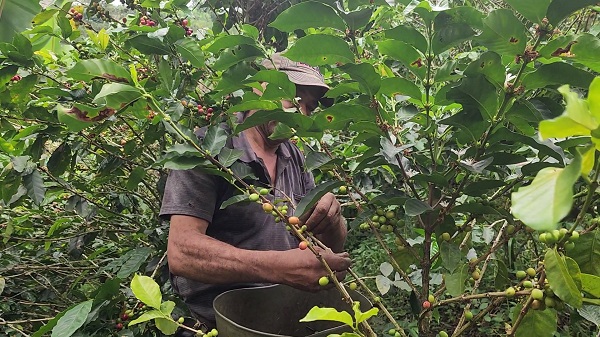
x: 432, y: 147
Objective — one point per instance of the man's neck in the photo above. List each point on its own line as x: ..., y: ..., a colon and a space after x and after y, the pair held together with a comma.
x: 259, y: 144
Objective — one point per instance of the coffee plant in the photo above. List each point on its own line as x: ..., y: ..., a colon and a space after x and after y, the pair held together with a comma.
x: 463, y: 145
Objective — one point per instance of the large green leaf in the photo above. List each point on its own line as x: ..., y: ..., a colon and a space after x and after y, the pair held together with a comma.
x: 365, y: 75
x: 562, y: 282
x: 357, y: 19
x: 586, y: 51
x: 72, y: 320
x: 332, y: 50
x: 148, y: 315
x: 132, y: 261
x: 451, y: 256
x: 236, y: 55
x: 503, y: 33
x: 16, y: 16
x: 340, y: 115
x: 166, y: 326
x: 587, y: 253
x: 328, y: 314
x: 591, y: 313
x: 60, y: 159
x: 295, y: 120
x: 577, y: 119
x: 215, y: 139
x: 476, y: 93
x: 117, y: 95
x: 149, y: 46
x: 533, y: 10
x: 591, y: 284
x: 560, y: 9
x: 308, y: 14
x: 414, y: 207
x: 409, y: 35
x: 229, y: 41
x: 455, y: 282
x: 538, y: 323
x: 311, y: 198
x: 549, y: 198
x: 490, y: 65
x: 35, y: 186
x: 558, y: 73
x: 146, y: 290
x: 410, y: 57
x: 191, y: 51
x: 277, y: 79
x: 399, y: 86
x: 454, y: 26
x: 88, y: 70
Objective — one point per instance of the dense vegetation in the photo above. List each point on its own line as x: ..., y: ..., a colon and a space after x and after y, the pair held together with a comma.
x: 463, y: 145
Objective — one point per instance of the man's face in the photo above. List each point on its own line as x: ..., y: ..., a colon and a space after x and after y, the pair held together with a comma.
x: 308, y: 98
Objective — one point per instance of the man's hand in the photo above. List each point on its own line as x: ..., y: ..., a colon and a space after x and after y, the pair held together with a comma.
x: 326, y: 222
x: 303, y: 270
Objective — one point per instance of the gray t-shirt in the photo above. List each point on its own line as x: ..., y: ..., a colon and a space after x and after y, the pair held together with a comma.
x: 243, y: 225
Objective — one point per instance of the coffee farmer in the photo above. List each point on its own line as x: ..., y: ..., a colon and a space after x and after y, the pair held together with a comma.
x: 212, y: 250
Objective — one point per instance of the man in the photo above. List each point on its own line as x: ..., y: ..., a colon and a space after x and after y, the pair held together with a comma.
x: 212, y: 250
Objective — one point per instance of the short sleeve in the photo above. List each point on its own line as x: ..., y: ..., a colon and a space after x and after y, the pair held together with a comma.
x: 190, y: 192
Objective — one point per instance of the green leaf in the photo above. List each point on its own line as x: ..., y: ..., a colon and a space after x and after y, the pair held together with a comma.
x: 116, y: 95
x: 215, y: 140
x: 228, y: 156
x: 409, y: 35
x: 311, y: 198
x: 360, y: 316
x: 476, y: 93
x: 451, y: 256
x: 585, y: 51
x: 577, y: 120
x: 357, y: 19
x: 503, y: 33
x: 148, y: 315
x: 365, y: 75
x: 253, y: 105
x: 60, y: 159
x: 489, y: 65
x: 533, y: 10
x: 340, y: 115
x: 455, y: 282
x: 72, y: 320
x: 166, y: 326
x: 309, y: 14
x: 234, y: 56
x: 277, y: 79
x: 146, y: 290
x: 229, y: 41
x: 399, y: 86
x: 132, y: 261
x: 70, y: 120
x: 591, y: 313
x: 149, y: 46
x: 2, y: 284
x: 403, y: 52
x: 587, y: 253
x: 558, y: 73
x: 549, y: 198
x: 560, y: 9
x: 454, y: 26
x: 332, y: 49
x: 88, y: 70
x: 35, y: 186
x: 15, y: 17
x: 234, y: 200
x: 191, y: 51
x: 167, y: 307
x: 135, y: 177
x: 591, y: 284
x: 561, y: 281
x: 538, y: 323
x: 327, y: 314
x: 414, y: 207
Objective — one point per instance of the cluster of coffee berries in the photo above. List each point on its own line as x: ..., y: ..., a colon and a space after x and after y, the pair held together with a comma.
x: 560, y: 236
x: 76, y: 15
x: 16, y: 78
x: 206, y: 113
x: 145, y: 21
x: 384, y: 220
x: 96, y: 10
x: 188, y: 30
x: 124, y: 317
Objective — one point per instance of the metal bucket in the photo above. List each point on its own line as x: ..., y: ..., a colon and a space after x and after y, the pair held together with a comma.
x: 276, y: 310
